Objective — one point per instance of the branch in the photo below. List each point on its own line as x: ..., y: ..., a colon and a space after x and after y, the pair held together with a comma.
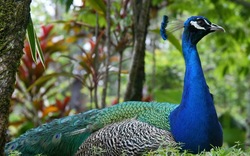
x: 106, y: 74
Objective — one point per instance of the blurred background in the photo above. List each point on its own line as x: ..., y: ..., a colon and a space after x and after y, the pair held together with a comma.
x: 74, y: 43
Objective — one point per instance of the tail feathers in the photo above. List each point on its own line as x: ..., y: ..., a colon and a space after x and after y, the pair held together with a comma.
x: 63, y: 135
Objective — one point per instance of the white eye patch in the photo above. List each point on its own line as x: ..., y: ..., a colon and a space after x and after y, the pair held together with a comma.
x: 206, y: 22
x: 197, y: 26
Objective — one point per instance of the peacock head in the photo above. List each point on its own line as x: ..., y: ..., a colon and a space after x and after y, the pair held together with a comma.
x: 196, y: 27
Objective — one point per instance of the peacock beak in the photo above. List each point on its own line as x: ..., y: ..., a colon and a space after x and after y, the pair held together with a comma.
x: 215, y: 27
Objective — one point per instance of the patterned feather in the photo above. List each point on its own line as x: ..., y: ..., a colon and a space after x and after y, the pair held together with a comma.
x: 129, y: 137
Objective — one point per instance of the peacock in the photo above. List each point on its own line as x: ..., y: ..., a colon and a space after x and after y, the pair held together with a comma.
x: 134, y: 127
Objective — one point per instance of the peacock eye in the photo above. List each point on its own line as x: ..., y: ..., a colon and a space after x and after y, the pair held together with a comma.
x: 201, y: 22
x: 57, y: 138
x: 12, y: 147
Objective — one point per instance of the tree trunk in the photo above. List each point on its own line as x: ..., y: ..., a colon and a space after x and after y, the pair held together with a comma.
x: 137, y: 74
x: 14, y: 18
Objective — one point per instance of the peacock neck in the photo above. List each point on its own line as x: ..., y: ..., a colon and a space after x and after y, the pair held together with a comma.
x: 194, y: 122
x: 195, y: 86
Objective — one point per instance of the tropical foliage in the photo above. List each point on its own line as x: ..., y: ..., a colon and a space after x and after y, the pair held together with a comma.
x: 74, y: 44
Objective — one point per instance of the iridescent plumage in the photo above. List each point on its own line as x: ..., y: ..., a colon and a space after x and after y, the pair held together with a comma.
x: 193, y: 123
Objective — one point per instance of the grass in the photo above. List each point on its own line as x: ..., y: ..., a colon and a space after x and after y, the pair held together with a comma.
x: 218, y: 151
x: 17, y: 153
x: 175, y: 151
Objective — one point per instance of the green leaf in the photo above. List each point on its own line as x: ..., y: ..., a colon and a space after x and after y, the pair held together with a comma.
x: 98, y: 5
x: 34, y: 43
x: 68, y: 4
x: 39, y: 50
x: 172, y: 39
x: 48, y: 77
x: 31, y: 39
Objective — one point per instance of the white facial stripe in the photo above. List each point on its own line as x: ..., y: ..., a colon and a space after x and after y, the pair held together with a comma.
x: 206, y: 22
x: 196, y: 25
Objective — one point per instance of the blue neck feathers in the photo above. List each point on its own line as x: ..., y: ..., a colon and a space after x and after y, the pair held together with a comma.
x: 194, y: 123
x: 195, y: 87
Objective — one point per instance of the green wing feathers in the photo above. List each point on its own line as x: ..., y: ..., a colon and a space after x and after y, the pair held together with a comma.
x: 65, y: 135
x: 153, y: 113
